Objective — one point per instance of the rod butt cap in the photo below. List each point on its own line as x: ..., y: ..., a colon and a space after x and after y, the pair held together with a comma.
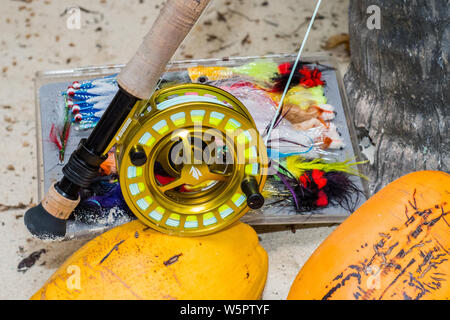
x: 43, y: 225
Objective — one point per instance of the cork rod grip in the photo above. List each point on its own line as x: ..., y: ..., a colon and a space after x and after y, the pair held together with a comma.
x: 57, y: 205
x: 141, y: 74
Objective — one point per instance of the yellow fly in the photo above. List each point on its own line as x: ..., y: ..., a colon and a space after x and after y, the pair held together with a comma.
x: 203, y: 74
x: 261, y: 71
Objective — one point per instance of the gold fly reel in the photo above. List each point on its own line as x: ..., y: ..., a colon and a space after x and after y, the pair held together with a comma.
x: 182, y: 161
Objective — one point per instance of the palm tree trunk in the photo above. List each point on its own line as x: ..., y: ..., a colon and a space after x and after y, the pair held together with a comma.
x: 397, y: 85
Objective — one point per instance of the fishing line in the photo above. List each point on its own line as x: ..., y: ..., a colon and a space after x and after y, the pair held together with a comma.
x: 269, y: 132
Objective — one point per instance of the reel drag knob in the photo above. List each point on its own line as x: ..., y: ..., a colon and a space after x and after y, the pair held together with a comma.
x: 250, y: 187
x: 138, y: 157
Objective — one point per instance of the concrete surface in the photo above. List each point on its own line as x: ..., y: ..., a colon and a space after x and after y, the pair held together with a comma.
x: 34, y: 37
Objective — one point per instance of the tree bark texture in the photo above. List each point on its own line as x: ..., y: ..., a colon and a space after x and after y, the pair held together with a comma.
x: 397, y: 85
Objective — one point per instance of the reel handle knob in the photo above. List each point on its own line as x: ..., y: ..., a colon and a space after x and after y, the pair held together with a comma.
x: 138, y: 156
x: 250, y: 187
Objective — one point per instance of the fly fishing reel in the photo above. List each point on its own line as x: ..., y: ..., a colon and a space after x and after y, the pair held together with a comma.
x: 191, y: 160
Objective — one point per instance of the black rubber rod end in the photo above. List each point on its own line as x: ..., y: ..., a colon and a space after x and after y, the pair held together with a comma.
x: 43, y: 225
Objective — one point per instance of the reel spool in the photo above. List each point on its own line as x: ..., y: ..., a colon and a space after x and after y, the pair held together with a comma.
x: 192, y: 162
